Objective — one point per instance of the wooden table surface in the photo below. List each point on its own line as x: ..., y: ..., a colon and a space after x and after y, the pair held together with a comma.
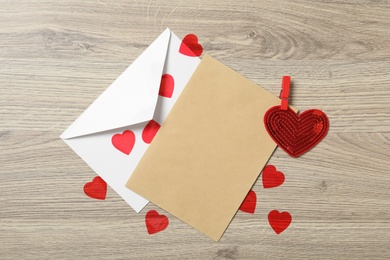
x: 58, y: 56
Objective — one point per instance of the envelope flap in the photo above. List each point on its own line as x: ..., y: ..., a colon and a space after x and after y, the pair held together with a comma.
x: 130, y: 99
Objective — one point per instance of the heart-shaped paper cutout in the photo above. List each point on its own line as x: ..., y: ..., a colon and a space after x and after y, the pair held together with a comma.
x: 271, y: 177
x: 150, y: 131
x: 249, y: 204
x: 124, y: 142
x: 190, y: 46
x: 296, y: 134
x: 155, y: 222
x: 279, y: 221
x: 167, y: 86
x: 96, y: 189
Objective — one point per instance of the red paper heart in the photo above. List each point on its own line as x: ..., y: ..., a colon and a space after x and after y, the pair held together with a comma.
x: 279, y: 221
x: 167, y: 85
x: 271, y: 177
x: 124, y: 142
x: 249, y: 204
x: 150, y: 131
x: 96, y: 189
x: 155, y: 222
x: 190, y: 46
x: 296, y: 134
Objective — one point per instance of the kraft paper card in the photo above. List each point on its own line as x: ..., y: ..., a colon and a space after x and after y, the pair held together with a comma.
x: 209, y: 150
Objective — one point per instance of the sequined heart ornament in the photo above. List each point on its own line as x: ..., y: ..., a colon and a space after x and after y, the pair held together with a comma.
x: 295, y: 133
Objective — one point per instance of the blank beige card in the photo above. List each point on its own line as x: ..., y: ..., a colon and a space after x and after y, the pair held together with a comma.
x: 210, y: 149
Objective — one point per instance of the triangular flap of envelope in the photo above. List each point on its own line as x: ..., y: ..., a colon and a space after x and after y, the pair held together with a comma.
x: 130, y: 99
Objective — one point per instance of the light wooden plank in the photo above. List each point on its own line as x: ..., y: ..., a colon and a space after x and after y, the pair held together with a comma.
x: 57, y: 57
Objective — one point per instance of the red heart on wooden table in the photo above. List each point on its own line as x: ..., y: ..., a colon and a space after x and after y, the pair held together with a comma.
x: 249, y: 204
x: 279, y: 221
x: 96, y: 189
x: 271, y: 177
x: 155, y: 222
x: 296, y: 134
x: 124, y: 142
x: 190, y: 46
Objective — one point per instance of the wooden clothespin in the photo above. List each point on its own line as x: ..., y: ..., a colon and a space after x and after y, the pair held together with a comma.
x: 285, y: 93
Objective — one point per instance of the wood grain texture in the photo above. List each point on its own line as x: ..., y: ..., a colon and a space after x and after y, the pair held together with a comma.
x: 57, y: 57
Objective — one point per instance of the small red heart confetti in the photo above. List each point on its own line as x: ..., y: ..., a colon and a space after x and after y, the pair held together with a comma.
x: 190, y: 46
x: 296, y: 134
x: 150, y: 131
x: 167, y: 85
x: 124, y: 142
x: 96, y: 189
x: 249, y: 204
x: 271, y: 177
x: 279, y: 221
x: 155, y: 222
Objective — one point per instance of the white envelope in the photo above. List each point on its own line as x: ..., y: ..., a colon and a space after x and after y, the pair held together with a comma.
x: 128, y: 104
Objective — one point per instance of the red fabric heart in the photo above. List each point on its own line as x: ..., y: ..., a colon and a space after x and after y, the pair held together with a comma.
x: 167, y: 85
x: 124, y: 142
x: 296, y: 134
x: 96, y: 189
x: 249, y: 204
x: 155, y: 222
x: 271, y: 177
x: 190, y: 46
x: 279, y: 221
x: 150, y: 131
